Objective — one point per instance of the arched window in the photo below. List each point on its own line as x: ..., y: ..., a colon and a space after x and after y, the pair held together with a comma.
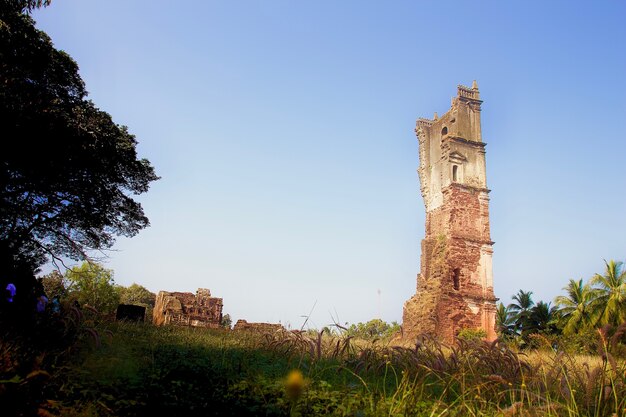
x: 456, y: 276
x: 444, y: 131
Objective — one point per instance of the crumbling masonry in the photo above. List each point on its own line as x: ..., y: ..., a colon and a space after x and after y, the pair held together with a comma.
x: 187, y: 309
x: 257, y: 327
x: 455, y: 283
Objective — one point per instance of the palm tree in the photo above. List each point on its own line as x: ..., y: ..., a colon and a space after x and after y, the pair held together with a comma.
x: 542, y: 318
x: 504, y: 321
x: 520, y: 309
x: 574, y: 308
x: 610, y: 294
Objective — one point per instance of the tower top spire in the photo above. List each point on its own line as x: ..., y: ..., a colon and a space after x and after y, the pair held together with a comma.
x: 469, y: 93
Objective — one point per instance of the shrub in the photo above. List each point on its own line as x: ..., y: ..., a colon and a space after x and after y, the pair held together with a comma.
x: 472, y: 334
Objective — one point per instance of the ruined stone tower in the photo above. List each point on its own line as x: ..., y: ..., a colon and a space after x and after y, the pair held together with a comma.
x: 455, y: 283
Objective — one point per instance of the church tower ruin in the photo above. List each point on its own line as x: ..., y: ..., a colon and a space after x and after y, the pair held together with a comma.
x: 455, y: 283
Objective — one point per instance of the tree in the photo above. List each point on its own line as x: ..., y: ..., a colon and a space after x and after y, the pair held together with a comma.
x: 92, y: 284
x: 505, y: 323
x: 575, y: 308
x: 520, y: 309
x: 26, y: 5
x: 67, y: 171
x: 54, y: 285
x: 373, y: 329
x: 542, y: 319
x: 136, y: 294
x: 226, y: 321
x: 609, y: 304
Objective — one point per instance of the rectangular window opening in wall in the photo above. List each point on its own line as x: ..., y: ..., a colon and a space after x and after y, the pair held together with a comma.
x: 455, y: 173
x: 456, y: 276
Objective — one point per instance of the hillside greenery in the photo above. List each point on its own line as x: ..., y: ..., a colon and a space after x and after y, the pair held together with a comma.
x: 79, y: 362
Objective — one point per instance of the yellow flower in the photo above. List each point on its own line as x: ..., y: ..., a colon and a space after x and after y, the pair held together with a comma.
x: 294, y: 385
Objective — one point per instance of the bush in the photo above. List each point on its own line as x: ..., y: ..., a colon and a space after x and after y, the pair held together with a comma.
x: 472, y: 334
x: 373, y: 329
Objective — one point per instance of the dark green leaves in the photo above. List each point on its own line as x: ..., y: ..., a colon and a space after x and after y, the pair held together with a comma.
x: 67, y: 171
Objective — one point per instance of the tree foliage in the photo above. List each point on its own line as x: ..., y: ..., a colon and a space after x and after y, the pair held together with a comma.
x: 226, y: 321
x: 136, y: 294
x: 542, y: 319
x: 523, y: 318
x: 579, y: 316
x: 373, y: 329
x: 25, y: 5
x: 93, y: 285
x: 575, y: 307
x: 54, y: 285
x: 520, y: 309
x: 67, y: 171
x: 505, y: 322
x: 610, y: 294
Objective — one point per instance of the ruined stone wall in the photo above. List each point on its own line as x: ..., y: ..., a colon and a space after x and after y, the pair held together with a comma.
x: 188, y: 309
x: 455, y: 283
x: 257, y: 327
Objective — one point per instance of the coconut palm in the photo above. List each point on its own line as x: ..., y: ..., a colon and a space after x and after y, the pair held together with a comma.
x: 609, y: 303
x: 542, y: 318
x: 505, y: 324
x: 574, y: 308
x: 520, y: 308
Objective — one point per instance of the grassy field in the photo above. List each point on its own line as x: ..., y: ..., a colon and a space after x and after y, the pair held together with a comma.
x: 123, y: 369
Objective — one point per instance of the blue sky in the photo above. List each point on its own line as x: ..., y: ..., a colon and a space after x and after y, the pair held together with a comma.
x: 283, y: 133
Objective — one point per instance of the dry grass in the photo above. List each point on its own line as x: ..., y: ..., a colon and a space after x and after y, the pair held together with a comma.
x: 183, y: 370
x: 480, y: 378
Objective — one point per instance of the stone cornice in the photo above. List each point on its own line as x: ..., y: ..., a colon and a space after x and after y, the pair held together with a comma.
x: 466, y: 141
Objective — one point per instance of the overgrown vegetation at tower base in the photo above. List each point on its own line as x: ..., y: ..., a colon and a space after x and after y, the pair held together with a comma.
x: 137, y: 369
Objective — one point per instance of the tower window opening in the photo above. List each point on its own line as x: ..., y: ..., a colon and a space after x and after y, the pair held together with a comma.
x: 444, y: 131
x: 456, y: 275
x: 455, y: 173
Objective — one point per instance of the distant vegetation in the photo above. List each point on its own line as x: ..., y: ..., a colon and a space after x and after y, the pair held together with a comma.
x: 93, y: 285
x: 579, y: 314
x: 375, y: 329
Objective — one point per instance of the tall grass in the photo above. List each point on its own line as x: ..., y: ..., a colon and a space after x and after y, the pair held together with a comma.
x: 144, y: 370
